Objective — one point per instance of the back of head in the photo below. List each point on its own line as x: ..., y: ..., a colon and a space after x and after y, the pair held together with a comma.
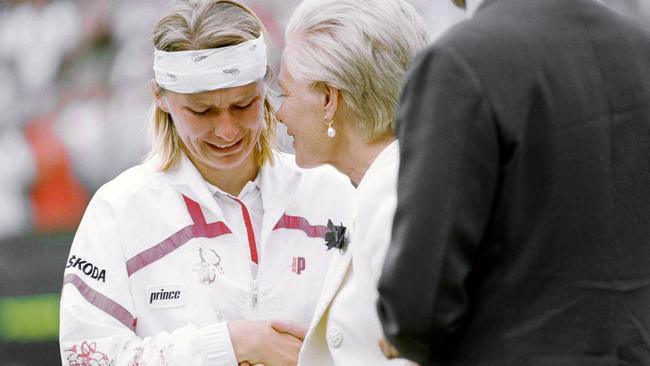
x: 361, y: 47
x: 205, y: 24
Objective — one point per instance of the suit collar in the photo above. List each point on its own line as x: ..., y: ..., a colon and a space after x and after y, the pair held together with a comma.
x: 471, y: 6
x: 474, y: 6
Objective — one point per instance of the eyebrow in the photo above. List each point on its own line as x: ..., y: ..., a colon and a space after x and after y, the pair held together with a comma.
x: 247, y: 96
x: 200, y: 104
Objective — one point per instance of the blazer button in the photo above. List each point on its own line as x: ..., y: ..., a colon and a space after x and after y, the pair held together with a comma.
x: 334, y: 338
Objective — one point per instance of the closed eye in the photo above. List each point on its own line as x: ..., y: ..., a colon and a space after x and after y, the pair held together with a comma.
x: 247, y: 105
x: 198, y: 113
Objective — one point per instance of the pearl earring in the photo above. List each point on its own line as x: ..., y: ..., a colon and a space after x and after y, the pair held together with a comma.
x: 331, y: 132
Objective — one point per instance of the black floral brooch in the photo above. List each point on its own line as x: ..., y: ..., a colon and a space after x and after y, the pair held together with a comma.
x: 335, y: 238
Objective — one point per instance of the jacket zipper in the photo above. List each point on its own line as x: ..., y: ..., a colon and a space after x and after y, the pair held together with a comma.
x: 254, y: 299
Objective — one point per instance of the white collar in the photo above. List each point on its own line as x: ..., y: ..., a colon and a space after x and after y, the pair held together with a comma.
x: 389, y: 155
x: 249, y: 187
x: 471, y: 6
x: 276, y: 183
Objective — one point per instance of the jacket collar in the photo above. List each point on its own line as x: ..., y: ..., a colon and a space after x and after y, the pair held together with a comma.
x: 190, y: 183
x: 386, y: 157
x: 276, y: 182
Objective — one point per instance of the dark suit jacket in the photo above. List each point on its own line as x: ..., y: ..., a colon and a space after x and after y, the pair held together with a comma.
x: 522, y: 233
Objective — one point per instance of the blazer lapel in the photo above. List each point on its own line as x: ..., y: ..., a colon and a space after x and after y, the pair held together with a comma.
x: 335, y: 275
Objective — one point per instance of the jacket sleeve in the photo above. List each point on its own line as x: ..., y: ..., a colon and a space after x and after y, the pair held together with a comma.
x: 448, y: 175
x: 97, y: 318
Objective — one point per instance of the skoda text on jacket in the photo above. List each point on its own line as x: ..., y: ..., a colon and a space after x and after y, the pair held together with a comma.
x: 87, y: 268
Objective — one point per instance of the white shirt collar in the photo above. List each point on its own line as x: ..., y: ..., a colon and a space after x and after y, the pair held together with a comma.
x: 250, y: 187
x: 471, y: 6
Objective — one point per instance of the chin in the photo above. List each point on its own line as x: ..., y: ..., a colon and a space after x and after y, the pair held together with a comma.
x: 227, y: 163
x: 306, y: 164
x: 305, y: 160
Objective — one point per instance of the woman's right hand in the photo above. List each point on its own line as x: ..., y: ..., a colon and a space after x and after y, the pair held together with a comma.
x: 257, y: 342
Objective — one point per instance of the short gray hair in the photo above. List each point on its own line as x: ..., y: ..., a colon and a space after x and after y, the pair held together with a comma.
x: 361, y: 47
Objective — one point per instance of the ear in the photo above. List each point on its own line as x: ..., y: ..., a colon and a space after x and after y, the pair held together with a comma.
x: 330, y: 101
x: 157, y: 95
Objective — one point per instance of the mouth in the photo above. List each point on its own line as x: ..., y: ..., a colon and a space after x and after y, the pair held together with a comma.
x: 226, y: 148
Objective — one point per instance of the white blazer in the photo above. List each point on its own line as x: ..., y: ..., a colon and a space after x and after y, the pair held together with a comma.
x: 345, y: 329
x: 155, y: 273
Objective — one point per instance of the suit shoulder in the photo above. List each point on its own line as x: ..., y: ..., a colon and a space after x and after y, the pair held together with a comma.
x: 473, y: 35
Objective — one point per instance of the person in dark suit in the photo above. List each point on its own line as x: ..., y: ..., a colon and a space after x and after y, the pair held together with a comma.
x: 522, y: 231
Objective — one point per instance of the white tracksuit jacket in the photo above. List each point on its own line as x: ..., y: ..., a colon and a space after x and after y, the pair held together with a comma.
x: 154, y: 273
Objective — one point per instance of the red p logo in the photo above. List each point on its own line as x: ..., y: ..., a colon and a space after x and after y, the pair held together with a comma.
x: 298, y: 264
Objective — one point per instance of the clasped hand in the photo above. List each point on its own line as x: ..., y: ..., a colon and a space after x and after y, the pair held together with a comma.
x: 267, y: 342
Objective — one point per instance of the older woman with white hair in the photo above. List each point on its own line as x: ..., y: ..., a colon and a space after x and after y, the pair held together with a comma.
x: 341, y: 73
x: 193, y: 257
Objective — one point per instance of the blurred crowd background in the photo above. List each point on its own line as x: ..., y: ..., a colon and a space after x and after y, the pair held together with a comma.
x: 74, y: 100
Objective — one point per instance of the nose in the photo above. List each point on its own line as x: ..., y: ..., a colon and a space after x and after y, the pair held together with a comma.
x: 226, y: 127
x: 277, y: 102
x: 280, y: 114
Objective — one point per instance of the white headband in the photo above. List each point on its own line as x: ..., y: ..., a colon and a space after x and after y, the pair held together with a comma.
x: 211, y: 69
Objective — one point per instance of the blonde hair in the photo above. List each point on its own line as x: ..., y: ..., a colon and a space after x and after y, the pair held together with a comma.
x: 361, y: 47
x: 201, y: 24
